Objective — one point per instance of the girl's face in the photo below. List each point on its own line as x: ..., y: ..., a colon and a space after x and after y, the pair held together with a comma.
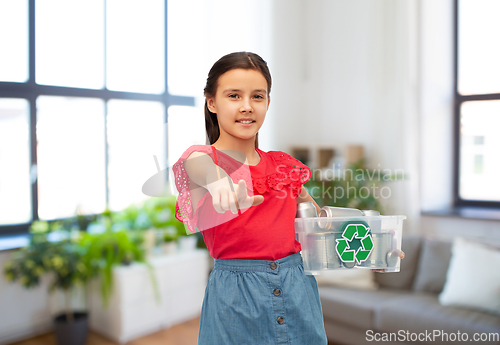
x: 241, y: 103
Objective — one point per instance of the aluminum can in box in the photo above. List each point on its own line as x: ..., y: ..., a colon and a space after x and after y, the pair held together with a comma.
x: 330, y: 211
x: 306, y: 210
x: 320, y: 238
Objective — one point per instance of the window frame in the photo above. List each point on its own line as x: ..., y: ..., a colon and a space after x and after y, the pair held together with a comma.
x: 30, y: 91
x: 459, y: 99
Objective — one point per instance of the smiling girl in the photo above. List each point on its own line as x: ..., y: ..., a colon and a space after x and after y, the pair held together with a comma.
x: 244, y: 201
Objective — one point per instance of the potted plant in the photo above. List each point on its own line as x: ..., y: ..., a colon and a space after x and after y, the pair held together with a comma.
x: 63, y: 260
x: 110, y: 245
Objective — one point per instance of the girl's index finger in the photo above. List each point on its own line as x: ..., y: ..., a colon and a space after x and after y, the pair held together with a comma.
x: 243, y: 198
x: 242, y: 190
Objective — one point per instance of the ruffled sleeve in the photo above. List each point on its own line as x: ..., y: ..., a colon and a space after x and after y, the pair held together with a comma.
x: 184, y: 208
x: 287, y: 172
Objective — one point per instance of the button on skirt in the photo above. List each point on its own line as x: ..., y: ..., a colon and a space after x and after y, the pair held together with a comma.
x: 261, y: 302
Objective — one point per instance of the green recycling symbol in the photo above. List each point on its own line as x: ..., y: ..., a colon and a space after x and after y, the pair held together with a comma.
x: 352, y: 231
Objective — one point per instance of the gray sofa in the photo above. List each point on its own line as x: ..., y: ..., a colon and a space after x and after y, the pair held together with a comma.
x: 406, y: 304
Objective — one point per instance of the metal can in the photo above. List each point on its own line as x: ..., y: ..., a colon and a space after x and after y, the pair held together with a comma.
x: 392, y: 257
x: 306, y: 210
x: 330, y: 211
x: 381, y: 246
x: 322, y: 253
x: 371, y: 213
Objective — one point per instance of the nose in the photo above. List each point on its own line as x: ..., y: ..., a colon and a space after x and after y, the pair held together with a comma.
x: 246, y: 107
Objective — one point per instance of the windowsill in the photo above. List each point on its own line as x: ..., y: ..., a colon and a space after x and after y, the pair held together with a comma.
x: 468, y: 212
x: 8, y: 242
x: 15, y: 241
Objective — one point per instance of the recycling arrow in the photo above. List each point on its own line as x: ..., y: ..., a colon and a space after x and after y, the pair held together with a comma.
x: 360, y: 232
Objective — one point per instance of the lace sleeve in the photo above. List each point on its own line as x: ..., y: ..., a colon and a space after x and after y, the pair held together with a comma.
x: 184, y: 208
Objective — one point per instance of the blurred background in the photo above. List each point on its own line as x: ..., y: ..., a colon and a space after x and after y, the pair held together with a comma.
x: 99, y: 96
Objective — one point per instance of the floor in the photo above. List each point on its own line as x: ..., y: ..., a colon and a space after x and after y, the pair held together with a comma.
x: 183, y: 334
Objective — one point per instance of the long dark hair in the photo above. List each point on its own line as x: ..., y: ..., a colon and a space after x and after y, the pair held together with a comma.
x: 243, y: 60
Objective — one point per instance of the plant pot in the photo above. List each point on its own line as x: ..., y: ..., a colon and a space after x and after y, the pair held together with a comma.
x: 74, y: 333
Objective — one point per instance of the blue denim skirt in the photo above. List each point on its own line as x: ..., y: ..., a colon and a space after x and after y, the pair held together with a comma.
x: 261, y: 302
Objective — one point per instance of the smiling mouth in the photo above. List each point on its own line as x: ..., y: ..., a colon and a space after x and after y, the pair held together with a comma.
x: 245, y: 122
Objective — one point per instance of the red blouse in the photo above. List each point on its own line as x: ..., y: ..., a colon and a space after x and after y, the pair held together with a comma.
x: 262, y: 232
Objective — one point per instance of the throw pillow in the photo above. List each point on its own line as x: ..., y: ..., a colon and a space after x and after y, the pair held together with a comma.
x: 432, y: 266
x: 361, y: 279
x: 473, y: 277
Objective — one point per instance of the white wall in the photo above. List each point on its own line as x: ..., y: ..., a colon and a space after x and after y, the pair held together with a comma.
x: 436, y: 89
x: 345, y: 72
x: 320, y: 64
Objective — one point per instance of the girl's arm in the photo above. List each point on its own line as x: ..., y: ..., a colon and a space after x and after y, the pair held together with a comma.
x: 202, y: 170
x: 226, y: 195
x: 304, y: 197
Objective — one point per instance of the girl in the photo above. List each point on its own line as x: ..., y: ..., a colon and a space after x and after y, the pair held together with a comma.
x: 244, y: 201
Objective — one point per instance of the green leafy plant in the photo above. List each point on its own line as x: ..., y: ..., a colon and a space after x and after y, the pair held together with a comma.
x: 113, y: 238
x: 104, y: 250
x: 74, y: 257
x: 131, y: 218
x: 63, y: 259
x: 161, y: 212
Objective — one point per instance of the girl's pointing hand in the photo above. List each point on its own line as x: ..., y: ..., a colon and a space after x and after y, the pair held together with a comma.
x: 229, y: 196
x: 245, y: 201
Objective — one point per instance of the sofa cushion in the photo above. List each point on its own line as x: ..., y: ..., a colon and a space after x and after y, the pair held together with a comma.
x: 354, y: 307
x: 420, y: 312
x: 432, y: 265
x: 404, y: 278
x: 473, y: 278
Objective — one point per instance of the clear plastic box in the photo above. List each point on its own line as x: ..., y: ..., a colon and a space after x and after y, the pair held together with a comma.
x: 331, y: 243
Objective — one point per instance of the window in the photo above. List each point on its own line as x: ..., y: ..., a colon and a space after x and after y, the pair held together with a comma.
x: 15, y: 191
x: 477, y: 107
x: 83, y: 106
